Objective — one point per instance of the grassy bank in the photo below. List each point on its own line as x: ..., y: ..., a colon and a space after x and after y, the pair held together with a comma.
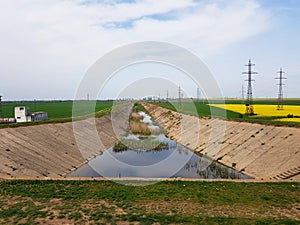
x: 177, y: 202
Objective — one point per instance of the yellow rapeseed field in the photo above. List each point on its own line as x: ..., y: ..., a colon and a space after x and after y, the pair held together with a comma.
x: 295, y: 120
x: 265, y: 110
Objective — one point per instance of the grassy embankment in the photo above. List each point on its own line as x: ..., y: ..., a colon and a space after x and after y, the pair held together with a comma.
x: 203, y: 109
x: 58, y: 111
x: 177, y: 202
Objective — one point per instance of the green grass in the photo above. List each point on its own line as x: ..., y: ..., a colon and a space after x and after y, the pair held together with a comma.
x: 178, y: 202
x: 147, y: 144
x: 58, y: 111
x: 138, y: 108
x: 199, y: 109
x: 202, y: 109
x: 55, y: 109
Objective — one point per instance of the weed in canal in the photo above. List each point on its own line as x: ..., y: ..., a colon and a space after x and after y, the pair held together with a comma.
x: 144, y: 144
x: 139, y: 128
x: 136, y: 117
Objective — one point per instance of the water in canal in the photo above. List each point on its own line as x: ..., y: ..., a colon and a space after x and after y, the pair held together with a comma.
x: 171, y: 161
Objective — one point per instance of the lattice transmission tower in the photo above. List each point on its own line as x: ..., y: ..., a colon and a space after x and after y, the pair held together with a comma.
x: 198, y: 94
x: 243, y: 92
x: 0, y: 106
x: 179, y: 95
x: 167, y: 96
x: 280, y: 91
x: 249, y: 101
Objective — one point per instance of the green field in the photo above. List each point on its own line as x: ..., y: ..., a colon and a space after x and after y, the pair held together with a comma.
x: 55, y: 109
x: 58, y: 111
x: 202, y: 109
x: 176, y: 202
x: 61, y: 111
x: 198, y: 109
x: 264, y: 101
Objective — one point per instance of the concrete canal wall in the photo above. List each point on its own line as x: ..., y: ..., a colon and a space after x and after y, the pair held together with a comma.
x: 260, y: 151
x: 51, y: 150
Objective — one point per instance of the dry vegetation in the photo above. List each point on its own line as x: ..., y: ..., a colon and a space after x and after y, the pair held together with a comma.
x: 139, y: 128
x: 136, y: 116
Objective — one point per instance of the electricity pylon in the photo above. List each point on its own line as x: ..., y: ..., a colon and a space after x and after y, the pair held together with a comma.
x: 280, y: 92
x: 249, y: 101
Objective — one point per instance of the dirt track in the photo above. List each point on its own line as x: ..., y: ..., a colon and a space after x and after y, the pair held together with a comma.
x: 51, y: 150
x: 261, y: 151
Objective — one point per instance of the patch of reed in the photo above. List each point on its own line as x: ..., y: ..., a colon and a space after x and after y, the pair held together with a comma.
x: 139, y: 128
x: 136, y: 116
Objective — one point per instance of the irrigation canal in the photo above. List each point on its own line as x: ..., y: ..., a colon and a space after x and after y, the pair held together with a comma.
x: 172, y: 160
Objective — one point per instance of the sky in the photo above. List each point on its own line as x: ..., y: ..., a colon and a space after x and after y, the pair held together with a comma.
x: 47, y: 46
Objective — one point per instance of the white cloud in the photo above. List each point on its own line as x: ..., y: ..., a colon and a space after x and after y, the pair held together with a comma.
x: 49, y: 44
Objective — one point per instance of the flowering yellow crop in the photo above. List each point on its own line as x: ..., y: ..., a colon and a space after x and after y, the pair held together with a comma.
x: 262, y: 110
x: 295, y: 120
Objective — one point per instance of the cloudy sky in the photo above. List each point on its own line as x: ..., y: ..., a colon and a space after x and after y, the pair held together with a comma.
x: 47, y: 46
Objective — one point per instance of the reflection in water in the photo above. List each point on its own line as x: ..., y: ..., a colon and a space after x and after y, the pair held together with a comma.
x: 134, y: 163
x: 174, y: 161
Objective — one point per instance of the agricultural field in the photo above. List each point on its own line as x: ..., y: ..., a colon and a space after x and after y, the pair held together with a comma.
x: 55, y: 109
x: 266, y: 110
x: 58, y: 111
x: 176, y: 202
x: 198, y: 109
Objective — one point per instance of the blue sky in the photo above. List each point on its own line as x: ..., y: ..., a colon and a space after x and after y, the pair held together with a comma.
x: 49, y: 45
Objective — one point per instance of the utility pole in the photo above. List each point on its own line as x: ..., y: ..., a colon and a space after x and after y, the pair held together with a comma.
x: 280, y: 92
x: 0, y: 106
x: 249, y: 102
x: 198, y: 94
x: 243, y: 93
x: 167, y: 95
x: 179, y: 95
x: 88, y: 97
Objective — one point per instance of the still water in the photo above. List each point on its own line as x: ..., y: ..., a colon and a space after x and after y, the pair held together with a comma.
x: 172, y: 161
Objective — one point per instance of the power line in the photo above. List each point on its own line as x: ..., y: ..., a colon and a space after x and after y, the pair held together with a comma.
x: 249, y: 102
x: 280, y: 91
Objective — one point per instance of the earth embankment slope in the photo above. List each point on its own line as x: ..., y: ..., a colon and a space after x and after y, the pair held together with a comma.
x: 51, y: 150
x: 260, y: 151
